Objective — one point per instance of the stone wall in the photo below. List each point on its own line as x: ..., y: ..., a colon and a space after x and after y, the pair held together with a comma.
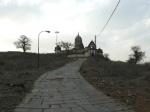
x: 83, y: 55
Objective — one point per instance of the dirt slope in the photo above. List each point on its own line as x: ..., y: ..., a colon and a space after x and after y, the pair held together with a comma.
x: 126, y: 82
x: 18, y: 72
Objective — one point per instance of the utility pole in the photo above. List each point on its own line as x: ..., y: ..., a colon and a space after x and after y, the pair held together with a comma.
x: 56, y: 36
x: 95, y: 41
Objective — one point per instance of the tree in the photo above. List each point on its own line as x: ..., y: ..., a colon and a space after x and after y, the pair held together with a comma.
x: 106, y: 56
x: 66, y: 45
x: 24, y: 43
x: 137, y: 55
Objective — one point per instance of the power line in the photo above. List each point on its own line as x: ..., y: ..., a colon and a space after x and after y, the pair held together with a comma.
x: 109, y: 19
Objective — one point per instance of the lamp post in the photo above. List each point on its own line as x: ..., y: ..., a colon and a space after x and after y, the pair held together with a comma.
x: 38, y: 44
x: 56, y: 36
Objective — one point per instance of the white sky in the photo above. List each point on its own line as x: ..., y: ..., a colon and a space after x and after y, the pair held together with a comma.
x: 130, y: 24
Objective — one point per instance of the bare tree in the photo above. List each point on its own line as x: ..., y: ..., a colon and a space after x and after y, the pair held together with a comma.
x: 24, y: 43
x: 66, y: 45
x: 137, y: 55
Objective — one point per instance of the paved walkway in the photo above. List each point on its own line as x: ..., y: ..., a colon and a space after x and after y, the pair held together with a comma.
x: 64, y: 90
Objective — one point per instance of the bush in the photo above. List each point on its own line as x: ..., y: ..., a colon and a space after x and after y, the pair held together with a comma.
x: 121, y: 70
x: 147, y: 63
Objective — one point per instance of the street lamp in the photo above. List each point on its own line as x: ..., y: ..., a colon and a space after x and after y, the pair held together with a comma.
x: 38, y: 43
x: 56, y: 36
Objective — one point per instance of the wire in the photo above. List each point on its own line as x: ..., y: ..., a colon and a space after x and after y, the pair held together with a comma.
x: 109, y: 19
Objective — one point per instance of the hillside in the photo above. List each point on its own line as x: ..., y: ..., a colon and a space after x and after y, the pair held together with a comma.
x: 127, y: 83
x: 18, y: 71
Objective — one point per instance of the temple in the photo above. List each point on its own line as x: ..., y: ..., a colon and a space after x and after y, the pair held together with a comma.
x: 78, y: 42
x: 80, y: 51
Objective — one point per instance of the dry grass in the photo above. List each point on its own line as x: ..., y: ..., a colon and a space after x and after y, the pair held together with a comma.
x: 126, y: 82
x: 18, y: 72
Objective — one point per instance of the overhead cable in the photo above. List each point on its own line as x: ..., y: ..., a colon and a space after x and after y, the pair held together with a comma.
x: 109, y: 18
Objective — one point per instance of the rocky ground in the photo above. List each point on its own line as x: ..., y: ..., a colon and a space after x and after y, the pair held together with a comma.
x: 125, y: 82
x: 18, y: 71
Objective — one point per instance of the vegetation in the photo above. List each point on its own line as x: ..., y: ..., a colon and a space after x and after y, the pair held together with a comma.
x: 106, y: 56
x: 137, y: 55
x: 66, y: 45
x: 128, y: 83
x: 19, y: 71
x: 24, y: 43
x: 2, y: 63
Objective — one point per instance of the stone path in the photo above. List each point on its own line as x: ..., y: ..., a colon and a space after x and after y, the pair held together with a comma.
x: 64, y: 90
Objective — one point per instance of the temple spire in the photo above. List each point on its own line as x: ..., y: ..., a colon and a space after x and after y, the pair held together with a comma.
x: 78, y: 42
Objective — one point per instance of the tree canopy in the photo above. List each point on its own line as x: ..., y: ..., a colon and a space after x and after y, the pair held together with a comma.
x: 24, y: 43
x: 65, y: 45
x: 137, y: 56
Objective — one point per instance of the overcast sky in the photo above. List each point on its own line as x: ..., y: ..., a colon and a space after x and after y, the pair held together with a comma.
x: 129, y: 26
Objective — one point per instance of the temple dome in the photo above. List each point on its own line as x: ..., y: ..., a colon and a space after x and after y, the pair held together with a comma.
x: 79, y: 37
x: 78, y: 42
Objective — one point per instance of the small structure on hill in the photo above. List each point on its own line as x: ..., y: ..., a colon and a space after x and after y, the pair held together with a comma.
x: 57, y: 49
x: 92, y: 48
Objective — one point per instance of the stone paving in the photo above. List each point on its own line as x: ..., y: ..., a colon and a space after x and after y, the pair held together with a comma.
x: 64, y: 90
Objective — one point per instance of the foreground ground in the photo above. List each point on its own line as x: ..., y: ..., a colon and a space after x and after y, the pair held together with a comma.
x: 125, y: 82
x: 18, y: 72
x: 64, y: 90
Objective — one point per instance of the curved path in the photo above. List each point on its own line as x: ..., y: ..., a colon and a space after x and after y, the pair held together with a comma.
x: 64, y: 90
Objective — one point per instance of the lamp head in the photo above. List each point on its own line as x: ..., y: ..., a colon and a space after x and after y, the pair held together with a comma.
x: 47, y: 31
x: 56, y: 31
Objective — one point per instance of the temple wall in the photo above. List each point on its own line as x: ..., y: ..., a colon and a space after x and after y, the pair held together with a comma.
x: 76, y: 55
x: 80, y: 55
x: 87, y: 54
